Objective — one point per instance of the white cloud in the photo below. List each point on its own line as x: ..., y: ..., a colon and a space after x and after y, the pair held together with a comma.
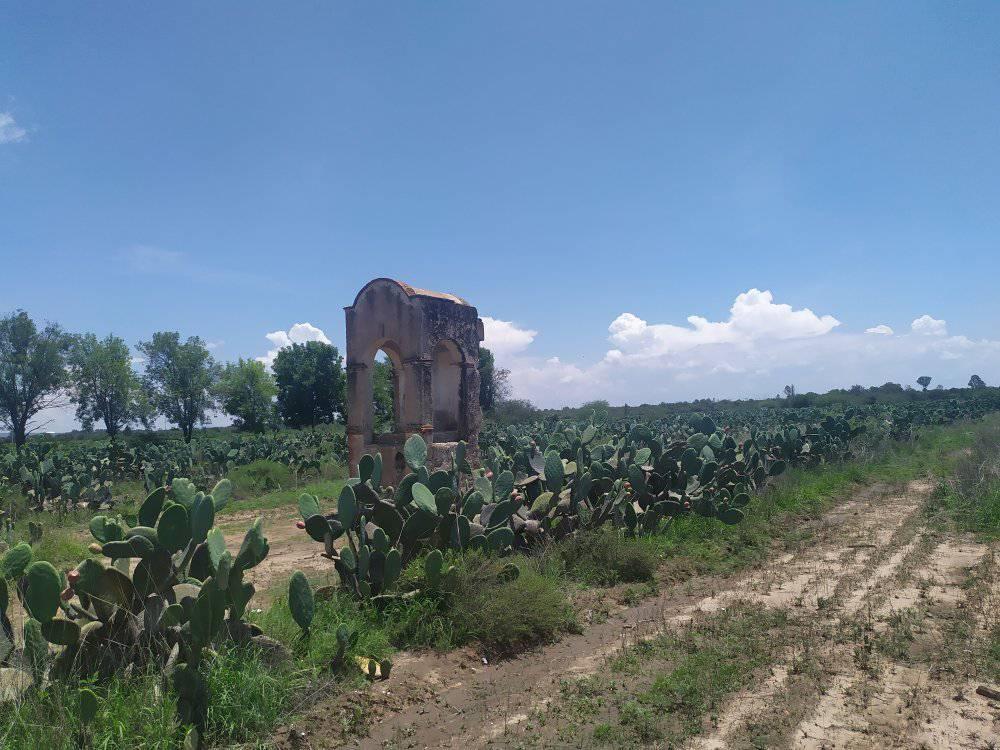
x: 504, y: 338
x: 297, y: 334
x: 928, y: 326
x: 880, y: 330
x: 10, y: 131
x: 754, y: 316
x: 759, y: 348
x: 213, y: 345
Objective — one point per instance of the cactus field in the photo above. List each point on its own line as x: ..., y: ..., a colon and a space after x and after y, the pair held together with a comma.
x: 546, y: 584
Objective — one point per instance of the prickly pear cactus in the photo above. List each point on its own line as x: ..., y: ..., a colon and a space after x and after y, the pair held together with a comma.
x: 166, y: 585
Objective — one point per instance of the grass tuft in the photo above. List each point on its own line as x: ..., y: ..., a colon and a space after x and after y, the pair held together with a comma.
x: 476, y: 603
x: 715, y: 658
x: 970, y: 498
x: 131, y: 715
x: 530, y: 609
x: 605, y: 557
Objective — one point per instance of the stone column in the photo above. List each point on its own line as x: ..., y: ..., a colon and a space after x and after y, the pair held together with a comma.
x: 471, y: 416
x: 419, y: 401
x: 359, y: 413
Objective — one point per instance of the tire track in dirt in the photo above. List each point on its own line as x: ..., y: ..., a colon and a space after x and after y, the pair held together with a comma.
x: 892, y: 704
x: 868, y: 521
x: 866, y: 699
x: 854, y: 574
x: 453, y: 700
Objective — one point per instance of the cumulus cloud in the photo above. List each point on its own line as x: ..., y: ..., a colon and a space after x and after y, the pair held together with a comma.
x: 503, y: 338
x: 880, y: 330
x: 754, y: 316
x: 297, y: 334
x: 925, y: 325
x: 10, y: 131
x: 761, y: 346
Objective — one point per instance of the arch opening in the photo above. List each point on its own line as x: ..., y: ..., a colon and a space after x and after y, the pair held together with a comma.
x: 385, y: 395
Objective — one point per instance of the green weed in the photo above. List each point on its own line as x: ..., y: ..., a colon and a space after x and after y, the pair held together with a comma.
x: 258, y: 478
x: 605, y: 557
x: 327, y: 490
x: 970, y: 498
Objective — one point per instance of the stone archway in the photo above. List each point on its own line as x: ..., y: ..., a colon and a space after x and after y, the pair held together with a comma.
x: 432, y: 340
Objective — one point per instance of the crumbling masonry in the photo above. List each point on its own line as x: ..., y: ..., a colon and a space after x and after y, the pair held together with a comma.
x: 432, y: 340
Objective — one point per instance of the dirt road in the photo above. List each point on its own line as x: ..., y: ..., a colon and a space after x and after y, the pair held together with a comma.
x: 885, y: 610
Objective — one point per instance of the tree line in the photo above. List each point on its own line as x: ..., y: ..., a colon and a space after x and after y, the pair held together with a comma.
x: 42, y: 367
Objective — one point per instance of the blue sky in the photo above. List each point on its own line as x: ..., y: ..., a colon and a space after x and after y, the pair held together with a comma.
x: 233, y: 169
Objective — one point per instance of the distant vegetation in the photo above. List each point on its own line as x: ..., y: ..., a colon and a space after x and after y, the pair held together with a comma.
x: 514, y: 411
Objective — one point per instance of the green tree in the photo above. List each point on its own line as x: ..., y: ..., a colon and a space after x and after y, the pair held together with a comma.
x: 384, y: 396
x: 180, y: 378
x: 599, y: 408
x: 246, y: 391
x: 976, y: 382
x: 494, y: 382
x: 104, y: 386
x: 514, y: 411
x: 923, y: 381
x: 32, y: 372
x: 311, y: 384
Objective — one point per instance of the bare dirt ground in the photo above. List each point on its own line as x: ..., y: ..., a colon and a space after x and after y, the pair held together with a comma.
x: 291, y: 550
x: 885, y: 613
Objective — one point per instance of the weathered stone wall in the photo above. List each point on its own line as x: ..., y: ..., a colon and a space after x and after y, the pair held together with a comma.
x: 424, y: 334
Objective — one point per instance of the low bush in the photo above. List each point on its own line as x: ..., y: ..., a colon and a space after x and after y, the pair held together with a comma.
x: 605, y: 557
x: 971, y: 497
x: 260, y: 477
x: 505, y: 615
x: 476, y: 602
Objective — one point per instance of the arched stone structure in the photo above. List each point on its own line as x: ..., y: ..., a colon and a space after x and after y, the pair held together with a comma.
x: 432, y: 340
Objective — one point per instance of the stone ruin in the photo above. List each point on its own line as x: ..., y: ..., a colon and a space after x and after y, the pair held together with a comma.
x: 432, y: 341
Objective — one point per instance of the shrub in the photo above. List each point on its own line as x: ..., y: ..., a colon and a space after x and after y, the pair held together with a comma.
x: 971, y: 497
x: 258, y: 478
x: 503, y: 616
x: 477, y: 602
x: 605, y: 557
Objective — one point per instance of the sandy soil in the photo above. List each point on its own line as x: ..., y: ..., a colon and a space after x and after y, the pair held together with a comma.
x: 866, y: 695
